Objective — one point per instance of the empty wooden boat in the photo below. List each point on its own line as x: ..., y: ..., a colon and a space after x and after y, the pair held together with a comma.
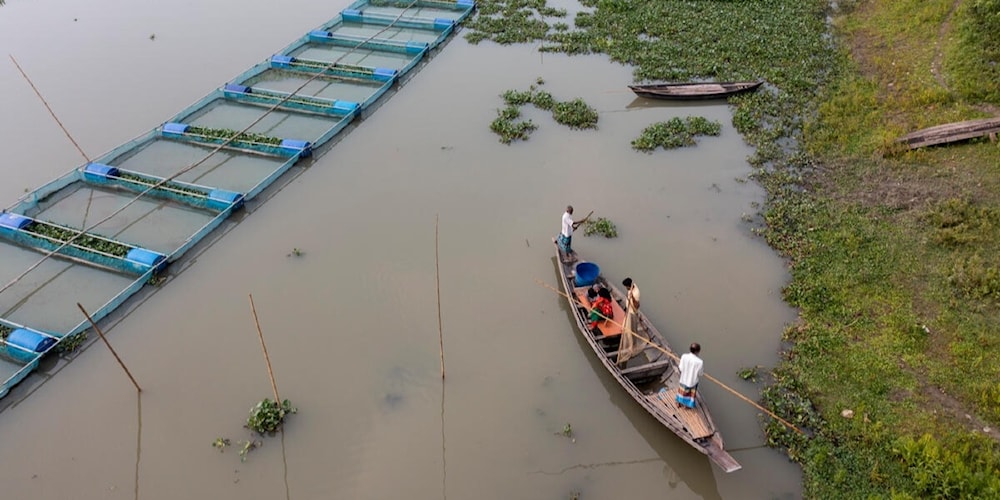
x: 693, y: 91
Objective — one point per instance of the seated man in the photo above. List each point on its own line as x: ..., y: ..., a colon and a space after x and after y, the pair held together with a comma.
x: 601, y: 308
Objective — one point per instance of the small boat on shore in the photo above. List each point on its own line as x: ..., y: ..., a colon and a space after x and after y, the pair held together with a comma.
x: 650, y: 376
x: 693, y: 91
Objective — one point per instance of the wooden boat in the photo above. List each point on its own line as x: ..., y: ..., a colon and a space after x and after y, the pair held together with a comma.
x: 650, y: 377
x: 952, y: 132
x: 693, y: 91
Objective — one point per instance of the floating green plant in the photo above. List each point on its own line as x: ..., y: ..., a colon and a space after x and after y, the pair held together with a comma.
x: 267, y: 416
x: 72, y: 342
x: 748, y: 373
x: 575, y: 114
x: 510, y: 131
x: 247, y: 446
x: 61, y: 234
x: 169, y: 186
x: 675, y: 133
x: 4, y: 332
x: 512, y: 21
x: 221, y: 443
x: 601, y: 226
x: 225, y: 134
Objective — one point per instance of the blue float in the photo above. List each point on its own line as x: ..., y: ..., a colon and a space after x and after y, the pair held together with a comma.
x: 14, y: 221
x: 25, y: 345
x: 99, y: 171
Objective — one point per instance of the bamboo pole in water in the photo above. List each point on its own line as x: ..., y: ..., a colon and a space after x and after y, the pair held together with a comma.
x: 675, y: 358
x: 267, y: 359
x: 437, y: 276
x: 112, y: 349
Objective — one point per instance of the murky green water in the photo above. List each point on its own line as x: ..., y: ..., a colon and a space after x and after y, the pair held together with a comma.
x: 351, y: 324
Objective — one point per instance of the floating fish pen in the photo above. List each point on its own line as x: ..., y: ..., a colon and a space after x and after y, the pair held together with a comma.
x: 101, y: 232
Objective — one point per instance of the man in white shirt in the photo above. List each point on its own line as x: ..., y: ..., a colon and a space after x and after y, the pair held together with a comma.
x: 691, y: 367
x: 566, y: 235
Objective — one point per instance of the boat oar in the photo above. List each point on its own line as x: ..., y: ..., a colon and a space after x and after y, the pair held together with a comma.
x: 676, y: 358
x: 585, y: 219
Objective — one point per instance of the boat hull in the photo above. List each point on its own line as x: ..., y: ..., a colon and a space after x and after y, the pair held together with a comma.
x: 656, y: 394
x: 693, y: 91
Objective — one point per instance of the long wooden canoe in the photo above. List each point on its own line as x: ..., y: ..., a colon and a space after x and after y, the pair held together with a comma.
x: 693, y: 91
x: 651, y: 377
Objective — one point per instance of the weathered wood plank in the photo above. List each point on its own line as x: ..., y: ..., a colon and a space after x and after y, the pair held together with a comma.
x: 951, y: 132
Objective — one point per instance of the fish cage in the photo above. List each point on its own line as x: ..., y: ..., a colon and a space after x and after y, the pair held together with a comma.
x: 427, y: 10
x: 363, y: 90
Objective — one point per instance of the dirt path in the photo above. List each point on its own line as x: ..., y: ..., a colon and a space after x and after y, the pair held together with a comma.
x: 938, y: 51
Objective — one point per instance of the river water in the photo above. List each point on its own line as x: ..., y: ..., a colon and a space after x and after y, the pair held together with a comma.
x: 352, y: 323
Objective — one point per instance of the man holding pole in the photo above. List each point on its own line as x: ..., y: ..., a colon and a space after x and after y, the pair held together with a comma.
x: 566, y: 234
x: 691, y: 369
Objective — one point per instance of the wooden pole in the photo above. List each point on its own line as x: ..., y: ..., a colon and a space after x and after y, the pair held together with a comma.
x: 437, y: 276
x: 112, y: 349
x: 56, y: 118
x: 267, y: 359
x: 675, y: 358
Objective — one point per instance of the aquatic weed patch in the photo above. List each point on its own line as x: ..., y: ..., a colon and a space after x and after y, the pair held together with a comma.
x: 675, y: 133
x: 223, y: 134
x: 267, y: 417
x: 5, y: 332
x: 169, y: 186
x: 513, y: 21
x: 61, y: 235
x: 575, y: 114
x: 601, y: 226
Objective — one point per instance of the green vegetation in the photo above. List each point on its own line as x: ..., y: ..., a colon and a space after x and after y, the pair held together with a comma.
x: 601, y: 226
x: 168, y: 186
x: 4, y: 332
x: 675, y: 133
x: 222, y: 134
x: 513, y: 21
x: 575, y: 114
x: 893, y: 258
x: 268, y: 416
x: 61, y: 234
x: 72, y: 342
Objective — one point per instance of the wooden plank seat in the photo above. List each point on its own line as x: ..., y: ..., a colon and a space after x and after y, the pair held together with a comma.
x: 647, y: 370
x: 691, y: 418
x: 610, y: 328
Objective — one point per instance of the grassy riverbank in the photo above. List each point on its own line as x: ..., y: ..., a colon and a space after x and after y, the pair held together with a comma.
x: 893, y: 256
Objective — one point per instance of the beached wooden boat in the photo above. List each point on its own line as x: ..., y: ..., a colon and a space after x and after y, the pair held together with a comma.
x: 651, y: 376
x: 952, y: 132
x: 693, y: 91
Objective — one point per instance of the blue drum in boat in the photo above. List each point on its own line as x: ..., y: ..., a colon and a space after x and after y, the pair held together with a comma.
x: 587, y: 273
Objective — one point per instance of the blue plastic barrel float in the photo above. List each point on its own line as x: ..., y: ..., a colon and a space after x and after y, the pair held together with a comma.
x: 31, y: 343
x: 587, y: 273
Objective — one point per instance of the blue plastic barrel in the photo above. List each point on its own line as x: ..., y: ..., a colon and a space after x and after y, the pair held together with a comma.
x: 30, y: 343
x: 14, y: 221
x: 587, y: 273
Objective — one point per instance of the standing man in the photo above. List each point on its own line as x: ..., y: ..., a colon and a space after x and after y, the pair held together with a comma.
x: 630, y: 346
x: 566, y: 235
x: 691, y: 369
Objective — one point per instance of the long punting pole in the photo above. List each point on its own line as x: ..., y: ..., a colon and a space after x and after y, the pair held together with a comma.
x: 437, y: 276
x: 267, y: 359
x: 674, y: 356
x: 112, y: 349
